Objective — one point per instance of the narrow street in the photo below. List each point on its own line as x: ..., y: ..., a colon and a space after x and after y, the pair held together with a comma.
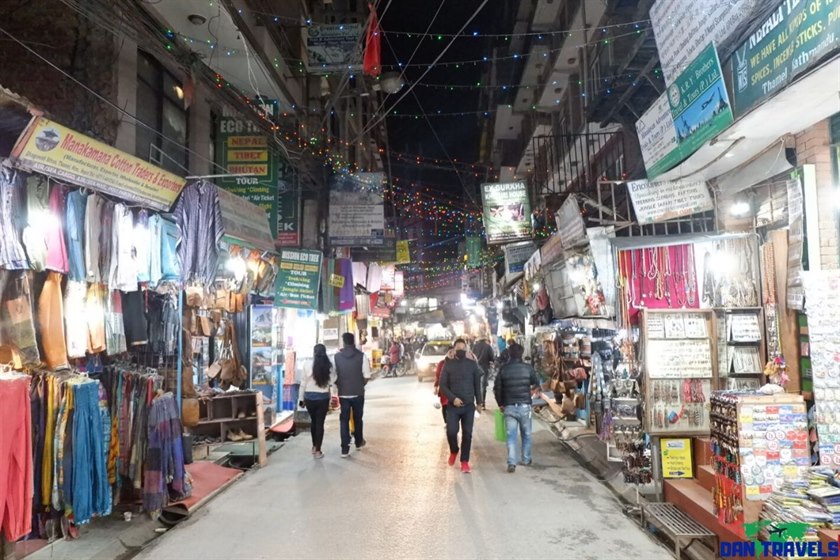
x: 397, y: 498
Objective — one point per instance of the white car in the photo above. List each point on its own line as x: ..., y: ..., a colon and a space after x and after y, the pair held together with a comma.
x: 429, y: 356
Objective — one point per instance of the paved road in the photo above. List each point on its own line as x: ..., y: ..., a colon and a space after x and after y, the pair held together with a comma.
x: 398, y: 499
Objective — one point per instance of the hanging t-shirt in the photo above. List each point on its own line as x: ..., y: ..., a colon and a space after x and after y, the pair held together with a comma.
x: 74, y: 232
x: 54, y: 230
x: 169, y: 263
x: 106, y: 238
x: 12, y: 254
x: 374, y: 278
x: 141, y: 245
x: 75, y: 319
x: 123, y: 274
x: 93, y: 233
x: 37, y: 217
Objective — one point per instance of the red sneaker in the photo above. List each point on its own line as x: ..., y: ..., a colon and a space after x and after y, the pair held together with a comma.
x: 452, y: 457
x: 465, y: 467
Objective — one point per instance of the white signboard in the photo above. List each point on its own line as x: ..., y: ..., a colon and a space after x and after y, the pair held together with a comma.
x: 357, y: 210
x: 683, y: 27
x: 678, y: 359
x: 570, y: 225
x: 658, y: 137
x: 660, y: 201
x: 516, y: 255
x: 333, y: 48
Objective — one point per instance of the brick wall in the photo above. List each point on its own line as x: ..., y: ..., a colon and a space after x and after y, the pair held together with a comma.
x: 812, y: 147
x: 77, y: 47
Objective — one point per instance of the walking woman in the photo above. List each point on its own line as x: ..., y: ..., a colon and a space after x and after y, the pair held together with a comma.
x: 317, y: 388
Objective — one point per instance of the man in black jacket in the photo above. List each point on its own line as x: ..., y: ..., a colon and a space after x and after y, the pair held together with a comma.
x: 514, y: 385
x: 484, y: 356
x: 460, y: 383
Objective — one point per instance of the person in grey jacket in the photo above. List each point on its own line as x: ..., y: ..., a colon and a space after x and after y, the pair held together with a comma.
x: 460, y: 383
x: 514, y: 386
x: 352, y: 370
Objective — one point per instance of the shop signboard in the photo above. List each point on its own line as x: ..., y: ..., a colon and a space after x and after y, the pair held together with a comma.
x: 357, y: 210
x: 403, y: 254
x: 532, y: 267
x: 385, y: 253
x: 658, y: 138
x: 55, y: 150
x: 660, y: 201
x: 682, y: 28
x: 507, y: 212
x: 676, y: 456
x: 245, y: 220
x: 699, y: 102
x: 288, y: 208
x: 571, y: 229
x: 389, y: 278
x: 473, y: 248
x: 261, y: 372
x: 516, y: 255
x: 298, y: 279
x: 243, y: 149
x: 790, y: 41
x: 399, y: 283
x: 333, y: 48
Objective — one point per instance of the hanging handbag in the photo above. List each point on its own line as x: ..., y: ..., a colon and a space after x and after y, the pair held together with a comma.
x: 190, y: 412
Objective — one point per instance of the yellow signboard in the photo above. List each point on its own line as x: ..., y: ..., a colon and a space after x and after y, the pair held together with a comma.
x: 63, y: 153
x: 676, y: 458
x: 403, y: 255
x: 336, y: 281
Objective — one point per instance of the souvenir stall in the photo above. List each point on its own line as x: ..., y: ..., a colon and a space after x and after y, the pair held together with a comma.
x: 89, y: 283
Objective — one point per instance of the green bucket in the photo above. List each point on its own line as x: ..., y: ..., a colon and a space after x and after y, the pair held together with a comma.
x: 501, y: 432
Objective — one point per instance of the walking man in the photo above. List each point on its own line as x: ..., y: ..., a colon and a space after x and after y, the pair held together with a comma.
x: 515, y: 383
x: 352, y: 370
x: 460, y: 383
x: 484, y: 356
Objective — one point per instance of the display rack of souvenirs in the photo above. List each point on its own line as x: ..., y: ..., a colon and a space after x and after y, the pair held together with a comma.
x: 759, y: 442
x: 740, y: 344
x: 679, y: 370
x: 807, y: 504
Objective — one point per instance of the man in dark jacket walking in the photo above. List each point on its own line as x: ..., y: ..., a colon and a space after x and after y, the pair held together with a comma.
x: 460, y: 383
x: 484, y: 356
x: 352, y: 370
x: 515, y: 383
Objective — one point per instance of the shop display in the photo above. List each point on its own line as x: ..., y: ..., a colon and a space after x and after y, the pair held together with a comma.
x: 679, y: 370
x: 823, y: 309
x: 16, y: 445
x: 263, y: 351
x: 811, y: 502
x: 758, y: 443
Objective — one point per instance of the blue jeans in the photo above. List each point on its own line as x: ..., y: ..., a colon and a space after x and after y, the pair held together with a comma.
x: 518, y: 416
x: 357, y: 406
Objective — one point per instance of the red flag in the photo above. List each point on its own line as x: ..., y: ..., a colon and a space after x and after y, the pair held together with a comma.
x: 373, y: 51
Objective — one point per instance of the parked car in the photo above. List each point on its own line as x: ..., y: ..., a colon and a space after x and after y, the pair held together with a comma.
x: 429, y: 356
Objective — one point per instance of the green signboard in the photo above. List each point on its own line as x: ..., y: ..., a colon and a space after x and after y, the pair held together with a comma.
x: 473, y: 251
x: 699, y: 102
x: 298, y: 279
x: 507, y: 212
x: 790, y: 41
x: 288, y: 207
x: 243, y: 149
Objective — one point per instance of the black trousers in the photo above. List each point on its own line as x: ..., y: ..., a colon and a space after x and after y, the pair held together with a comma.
x: 443, y: 408
x: 318, y: 409
x: 463, y: 417
x: 356, y: 407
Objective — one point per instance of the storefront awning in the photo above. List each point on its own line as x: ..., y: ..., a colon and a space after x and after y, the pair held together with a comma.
x: 245, y: 221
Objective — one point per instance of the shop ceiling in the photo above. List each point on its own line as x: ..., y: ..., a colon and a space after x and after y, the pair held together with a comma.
x: 797, y: 107
x: 207, y: 29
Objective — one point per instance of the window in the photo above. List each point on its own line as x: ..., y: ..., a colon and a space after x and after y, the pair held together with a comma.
x: 160, y: 105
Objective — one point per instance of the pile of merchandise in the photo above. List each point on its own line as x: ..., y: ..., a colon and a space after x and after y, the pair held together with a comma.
x: 813, y: 500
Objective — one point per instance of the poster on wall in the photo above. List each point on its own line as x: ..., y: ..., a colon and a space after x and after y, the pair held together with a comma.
x: 357, y: 210
x: 699, y: 102
x: 298, y: 279
x: 507, y: 212
x: 242, y: 148
x: 332, y: 48
x: 790, y: 41
x: 261, y: 372
x: 55, y: 150
x: 660, y: 201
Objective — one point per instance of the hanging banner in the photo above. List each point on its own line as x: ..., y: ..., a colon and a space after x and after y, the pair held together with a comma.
x: 242, y: 148
x: 55, y: 150
x: 389, y: 278
x: 507, y: 212
x: 473, y: 248
x: 403, y: 255
x: 661, y: 201
x: 298, y: 279
x: 682, y: 28
x: 357, y: 210
x: 399, y: 283
x: 658, y: 138
x: 791, y: 40
x: 246, y: 221
x: 699, y: 102
x: 288, y: 207
x: 533, y: 266
x: 571, y: 229
x: 516, y: 255
x: 332, y: 48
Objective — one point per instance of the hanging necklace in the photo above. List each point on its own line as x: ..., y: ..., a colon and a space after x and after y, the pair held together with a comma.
x: 666, y: 257
x: 656, y: 256
x: 679, y: 278
x: 691, y: 279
